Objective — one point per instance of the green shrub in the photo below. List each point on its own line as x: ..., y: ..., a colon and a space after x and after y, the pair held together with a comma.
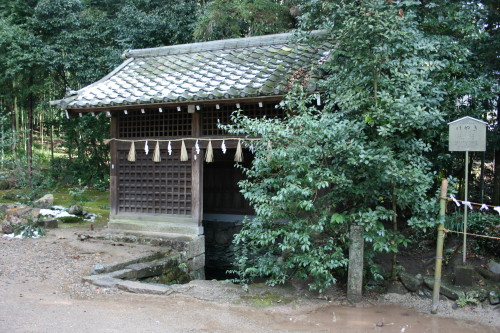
x: 487, y: 225
x: 479, y: 223
x: 28, y: 230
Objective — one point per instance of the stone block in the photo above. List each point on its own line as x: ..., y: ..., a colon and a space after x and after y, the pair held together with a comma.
x: 151, y: 268
x: 101, y: 281
x: 196, y: 247
x: 463, y: 275
x: 129, y: 274
x: 196, y: 263
x: 143, y: 288
x: 446, y: 290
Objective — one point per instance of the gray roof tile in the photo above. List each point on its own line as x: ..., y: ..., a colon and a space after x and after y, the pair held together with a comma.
x: 246, y: 67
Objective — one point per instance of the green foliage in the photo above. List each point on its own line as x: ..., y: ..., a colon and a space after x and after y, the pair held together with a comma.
x: 28, y: 230
x: 70, y: 219
x: 388, y: 95
x: 479, y: 223
x: 148, y: 23
x: 222, y: 19
x: 463, y: 301
x: 78, y: 196
x: 88, y: 161
x: 49, y: 47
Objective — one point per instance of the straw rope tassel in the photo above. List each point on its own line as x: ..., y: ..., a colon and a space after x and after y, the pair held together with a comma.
x: 238, y: 157
x: 156, y: 155
x: 209, y: 156
x: 131, y: 153
x: 184, y: 153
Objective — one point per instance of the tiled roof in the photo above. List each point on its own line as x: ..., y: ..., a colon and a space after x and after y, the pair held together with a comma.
x: 227, y: 69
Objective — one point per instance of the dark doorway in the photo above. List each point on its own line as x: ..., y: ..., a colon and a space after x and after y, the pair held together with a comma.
x: 224, y: 209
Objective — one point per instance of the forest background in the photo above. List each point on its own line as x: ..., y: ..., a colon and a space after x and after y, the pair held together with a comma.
x: 50, y: 47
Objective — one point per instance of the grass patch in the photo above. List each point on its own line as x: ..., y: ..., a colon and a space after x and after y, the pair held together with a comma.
x: 99, y: 203
x: 266, y: 299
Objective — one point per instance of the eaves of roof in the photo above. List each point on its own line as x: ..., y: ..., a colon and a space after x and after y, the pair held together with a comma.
x: 253, y: 67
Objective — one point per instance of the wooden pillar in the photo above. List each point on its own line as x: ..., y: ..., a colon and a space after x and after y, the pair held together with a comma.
x: 355, y: 270
x: 113, y: 178
x: 197, y: 176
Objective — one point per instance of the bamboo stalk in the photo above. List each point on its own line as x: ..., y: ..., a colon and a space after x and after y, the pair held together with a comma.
x: 439, y: 247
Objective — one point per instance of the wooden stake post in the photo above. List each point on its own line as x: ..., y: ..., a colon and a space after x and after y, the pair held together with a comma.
x: 439, y: 248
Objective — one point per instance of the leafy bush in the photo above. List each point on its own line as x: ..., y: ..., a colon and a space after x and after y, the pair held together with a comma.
x: 28, y: 230
x: 479, y: 223
x: 463, y: 300
x: 487, y: 225
x: 78, y: 196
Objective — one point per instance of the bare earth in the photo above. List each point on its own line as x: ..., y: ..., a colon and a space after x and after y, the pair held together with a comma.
x: 41, y: 291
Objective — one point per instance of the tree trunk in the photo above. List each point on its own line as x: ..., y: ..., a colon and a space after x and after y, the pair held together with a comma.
x: 14, y: 128
x: 496, y: 179
x: 395, y: 228
x: 30, y: 137
x: 2, y: 143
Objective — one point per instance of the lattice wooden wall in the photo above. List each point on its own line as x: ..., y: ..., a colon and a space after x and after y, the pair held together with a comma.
x: 147, y: 187
x: 153, y: 124
x: 154, y: 187
x: 210, y: 115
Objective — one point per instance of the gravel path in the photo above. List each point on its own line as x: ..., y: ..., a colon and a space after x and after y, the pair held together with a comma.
x: 41, y: 291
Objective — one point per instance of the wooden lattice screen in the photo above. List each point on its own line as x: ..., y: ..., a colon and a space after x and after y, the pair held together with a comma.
x: 154, y: 187
x: 210, y: 115
x: 152, y: 124
x: 147, y: 187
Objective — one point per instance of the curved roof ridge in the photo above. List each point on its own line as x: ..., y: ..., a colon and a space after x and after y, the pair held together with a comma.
x: 224, y: 44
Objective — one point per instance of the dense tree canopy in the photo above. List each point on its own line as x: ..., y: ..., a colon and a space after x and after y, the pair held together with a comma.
x: 398, y: 72
x: 372, y: 154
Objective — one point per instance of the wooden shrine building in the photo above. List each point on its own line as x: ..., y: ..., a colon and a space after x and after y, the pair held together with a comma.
x: 174, y: 96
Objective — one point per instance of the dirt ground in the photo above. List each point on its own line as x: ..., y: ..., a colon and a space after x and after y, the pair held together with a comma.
x: 41, y: 291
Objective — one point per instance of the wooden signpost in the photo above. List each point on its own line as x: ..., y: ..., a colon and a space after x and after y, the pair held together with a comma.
x: 467, y: 134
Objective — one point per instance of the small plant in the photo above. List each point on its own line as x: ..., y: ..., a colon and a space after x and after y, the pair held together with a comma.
x: 463, y: 300
x: 28, y: 230
x: 78, y: 196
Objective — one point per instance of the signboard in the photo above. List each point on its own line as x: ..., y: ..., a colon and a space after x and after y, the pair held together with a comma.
x: 467, y: 134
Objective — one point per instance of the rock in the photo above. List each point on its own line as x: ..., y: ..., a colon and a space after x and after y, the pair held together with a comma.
x: 47, y: 201
x: 494, y: 267
x: 20, y: 214
x: 494, y: 298
x: 446, y: 290
x: 7, y: 227
x: 49, y: 223
x: 396, y: 287
x: 487, y: 274
x: 76, y: 210
x: 98, y: 269
x: 412, y: 283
